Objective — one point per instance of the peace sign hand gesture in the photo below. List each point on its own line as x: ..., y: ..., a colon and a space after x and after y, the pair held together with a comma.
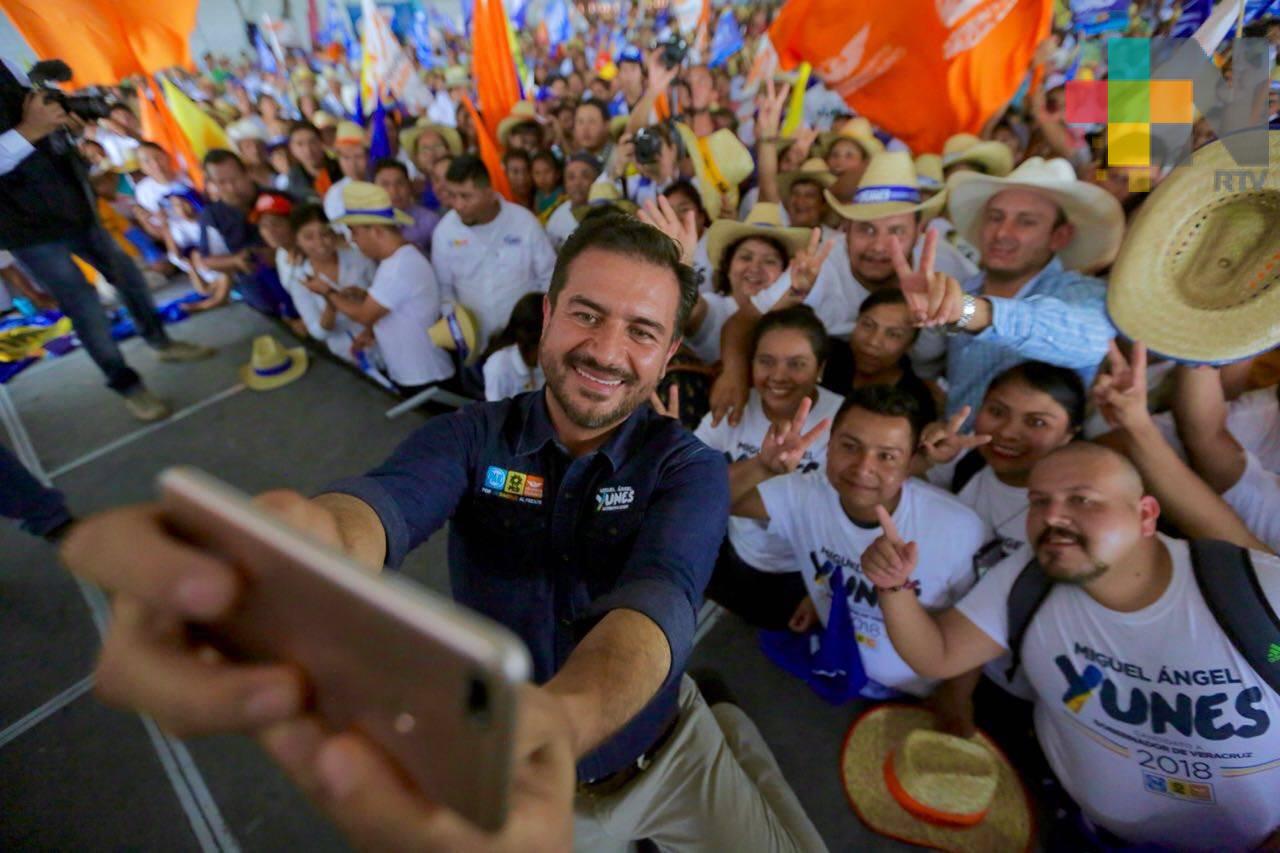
x: 934, y: 298
x: 942, y: 442
x: 661, y: 215
x: 784, y: 447
x: 771, y: 105
x: 1121, y: 395
x: 807, y: 263
x: 889, y: 561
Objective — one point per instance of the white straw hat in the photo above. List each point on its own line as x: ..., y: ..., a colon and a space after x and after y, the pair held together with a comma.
x: 764, y: 220
x: 271, y: 365
x: 889, y: 186
x: 369, y: 204
x: 1198, y: 276
x: 993, y: 158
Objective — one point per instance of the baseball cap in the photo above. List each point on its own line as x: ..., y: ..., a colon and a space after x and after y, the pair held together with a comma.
x: 275, y: 203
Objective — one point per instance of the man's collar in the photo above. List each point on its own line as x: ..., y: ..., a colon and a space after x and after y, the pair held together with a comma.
x: 536, y: 431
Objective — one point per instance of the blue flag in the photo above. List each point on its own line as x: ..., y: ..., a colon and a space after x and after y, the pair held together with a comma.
x: 266, y: 59
x: 1092, y: 17
x: 420, y: 35
x: 558, y: 27
x: 1194, y: 13
x: 379, y: 142
x: 727, y: 39
x: 827, y: 658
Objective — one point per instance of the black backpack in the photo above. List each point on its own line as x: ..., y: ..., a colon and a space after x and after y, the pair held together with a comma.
x: 1227, y: 580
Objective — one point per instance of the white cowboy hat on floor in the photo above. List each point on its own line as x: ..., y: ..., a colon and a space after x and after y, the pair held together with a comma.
x: 991, y: 157
x: 720, y: 163
x: 369, y: 204
x: 764, y: 220
x: 1095, y: 213
x: 272, y: 366
x: 889, y: 186
x: 908, y: 782
x: 1198, y: 276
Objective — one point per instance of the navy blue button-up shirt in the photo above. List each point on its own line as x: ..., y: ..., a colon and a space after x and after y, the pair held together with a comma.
x: 548, y: 544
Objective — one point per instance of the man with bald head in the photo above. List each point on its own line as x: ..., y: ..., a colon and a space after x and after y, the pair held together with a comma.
x: 1155, y: 725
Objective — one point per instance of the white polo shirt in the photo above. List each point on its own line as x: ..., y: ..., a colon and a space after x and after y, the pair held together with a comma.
x: 489, y: 267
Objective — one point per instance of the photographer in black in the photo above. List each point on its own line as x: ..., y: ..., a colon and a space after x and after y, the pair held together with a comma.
x: 47, y: 214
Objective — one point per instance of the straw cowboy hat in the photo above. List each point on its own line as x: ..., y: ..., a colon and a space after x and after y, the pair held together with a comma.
x: 245, y: 129
x: 888, y: 187
x: 369, y: 204
x: 927, y: 788
x: 720, y: 163
x: 1095, y: 213
x: 603, y: 194
x: 929, y: 172
x: 349, y: 133
x: 272, y: 366
x: 455, y: 77
x: 859, y: 130
x: 451, y: 137
x: 321, y: 120
x: 991, y: 157
x: 456, y: 331
x: 1197, y: 276
x: 764, y: 220
x: 814, y: 169
x: 523, y: 112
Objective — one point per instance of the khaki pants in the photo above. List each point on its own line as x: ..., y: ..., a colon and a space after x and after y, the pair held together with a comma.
x: 714, y: 786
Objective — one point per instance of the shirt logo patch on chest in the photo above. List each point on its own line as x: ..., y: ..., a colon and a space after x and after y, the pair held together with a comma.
x: 612, y: 498
x: 511, y: 240
x: 513, y: 485
x: 458, y: 242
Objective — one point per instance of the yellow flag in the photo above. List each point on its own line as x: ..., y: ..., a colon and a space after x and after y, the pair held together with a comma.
x: 199, y: 127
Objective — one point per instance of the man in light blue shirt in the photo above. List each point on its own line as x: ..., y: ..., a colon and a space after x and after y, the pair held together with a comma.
x: 1036, y: 229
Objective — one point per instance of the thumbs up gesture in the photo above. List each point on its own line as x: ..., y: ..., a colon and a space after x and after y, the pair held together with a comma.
x: 889, y: 561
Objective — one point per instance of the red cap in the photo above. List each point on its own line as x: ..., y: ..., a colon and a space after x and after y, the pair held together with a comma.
x: 270, y: 203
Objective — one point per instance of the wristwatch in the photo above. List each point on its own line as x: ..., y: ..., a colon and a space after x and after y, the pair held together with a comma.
x: 968, y: 310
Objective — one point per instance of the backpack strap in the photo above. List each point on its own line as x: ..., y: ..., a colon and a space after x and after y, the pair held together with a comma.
x: 1029, y: 590
x: 1229, y: 584
x: 968, y: 466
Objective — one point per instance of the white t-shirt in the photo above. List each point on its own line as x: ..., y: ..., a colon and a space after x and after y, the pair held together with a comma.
x: 354, y: 270
x: 560, y: 225
x: 506, y: 374
x: 805, y: 510
x: 836, y: 296
x: 757, y: 547
x: 705, y: 343
x: 489, y: 267
x: 1154, y: 723
x: 1256, y: 499
x: 702, y: 265
x: 117, y: 147
x: 405, y: 285
x: 149, y: 192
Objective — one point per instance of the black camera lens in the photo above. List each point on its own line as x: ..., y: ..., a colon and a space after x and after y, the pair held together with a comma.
x: 648, y: 145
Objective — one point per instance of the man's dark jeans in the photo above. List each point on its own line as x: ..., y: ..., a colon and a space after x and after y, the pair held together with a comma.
x: 51, y: 266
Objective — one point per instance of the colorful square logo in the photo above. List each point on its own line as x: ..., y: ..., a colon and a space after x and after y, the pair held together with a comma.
x: 533, y: 487
x: 514, y: 484
x: 495, y: 478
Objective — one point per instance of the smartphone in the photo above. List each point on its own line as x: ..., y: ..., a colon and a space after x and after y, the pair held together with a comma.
x: 433, y: 684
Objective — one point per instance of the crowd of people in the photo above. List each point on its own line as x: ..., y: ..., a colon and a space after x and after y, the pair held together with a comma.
x: 825, y: 380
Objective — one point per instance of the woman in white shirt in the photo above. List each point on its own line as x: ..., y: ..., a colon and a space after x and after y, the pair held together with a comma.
x: 318, y: 265
x: 746, y: 258
x: 511, y: 364
x: 756, y: 575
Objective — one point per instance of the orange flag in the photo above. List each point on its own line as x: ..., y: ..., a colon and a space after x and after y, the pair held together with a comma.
x: 106, y: 40
x: 964, y: 58
x: 489, y: 153
x: 492, y: 65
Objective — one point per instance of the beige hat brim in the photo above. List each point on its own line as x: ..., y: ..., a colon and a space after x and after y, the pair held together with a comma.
x: 400, y: 218
x: 994, y: 157
x: 1198, y: 277
x: 1009, y: 825
x: 1095, y: 214
x: 723, y: 233
x: 442, y: 336
x: 452, y: 139
x: 702, y: 176
x: 870, y: 145
x: 928, y: 207
x: 254, y: 382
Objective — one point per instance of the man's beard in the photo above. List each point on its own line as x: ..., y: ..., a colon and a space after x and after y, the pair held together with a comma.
x: 557, y: 373
x: 1097, y: 570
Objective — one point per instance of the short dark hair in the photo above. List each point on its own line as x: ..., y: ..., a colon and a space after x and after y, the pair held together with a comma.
x: 305, y: 214
x: 300, y: 126
x: 800, y: 318
x: 597, y: 106
x: 1061, y: 383
x: 616, y: 232
x: 721, y: 281
x: 889, y: 401
x: 516, y: 154
x: 548, y: 156
x: 886, y: 296
x: 468, y: 167
x: 154, y: 146
x: 220, y: 157
x: 384, y: 163
x: 686, y: 188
